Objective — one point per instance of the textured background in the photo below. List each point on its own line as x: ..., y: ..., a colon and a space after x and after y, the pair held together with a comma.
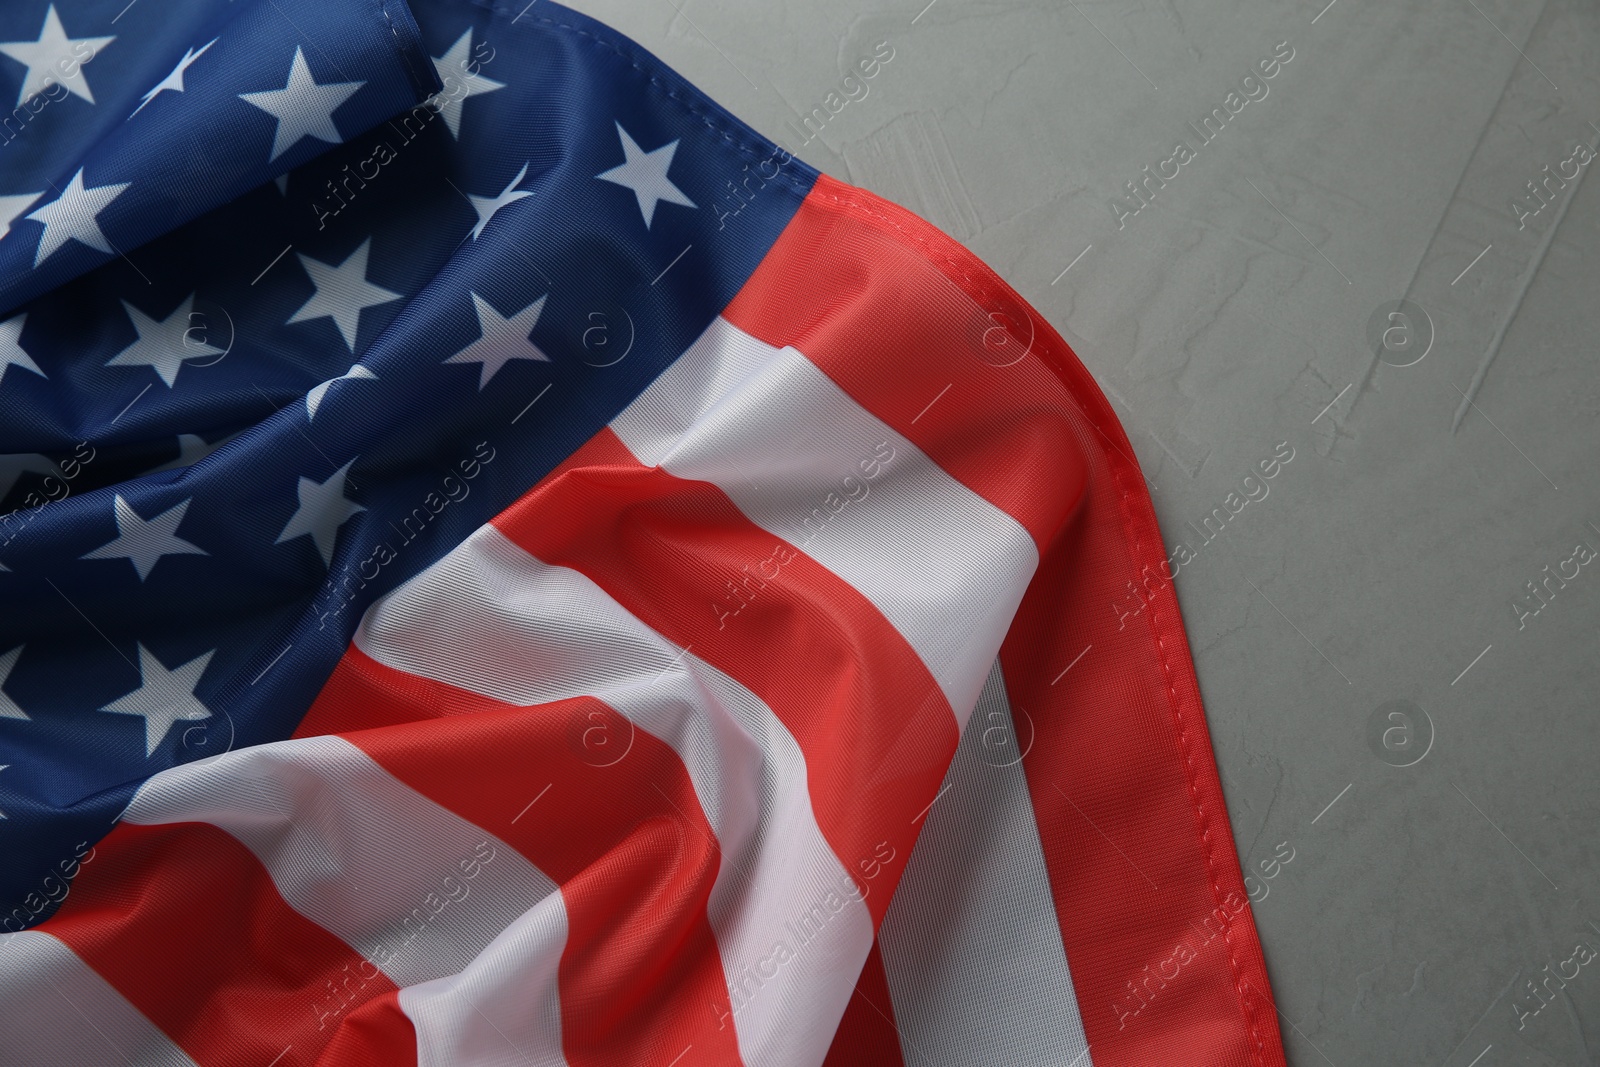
x: 1232, y: 313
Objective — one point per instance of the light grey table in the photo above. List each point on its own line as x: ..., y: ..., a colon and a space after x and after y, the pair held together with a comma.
x: 1444, y: 856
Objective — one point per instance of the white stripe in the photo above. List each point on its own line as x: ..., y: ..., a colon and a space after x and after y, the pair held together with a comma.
x: 357, y: 851
x: 971, y: 945
x: 803, y: 460
x: 56, y: 1011
x: 492, y: 619
x: 780, y: 890
x: 504, y: 1010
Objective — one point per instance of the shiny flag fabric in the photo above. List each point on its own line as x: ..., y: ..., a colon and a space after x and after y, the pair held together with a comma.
x: 503, y: 564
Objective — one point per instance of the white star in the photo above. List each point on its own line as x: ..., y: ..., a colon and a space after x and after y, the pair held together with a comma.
x: 8, y: 707
x: 12, y: 206
x: 14, y: 465
x: 41, y: 57
x: 11, y: 351
x: 343, y: 292
x: 162, y: 344
x: 192, y: 448
x: 314, y: 397
x: 302, y: 107
x: 323, y: 509
x: 74, y: 216
x: 646, y: 174
x: 144, y: 541
x: 452, y: 68
x: 174, y: 81
x: 164, y: 698
x: 488, y: 206
x: 501, y: 340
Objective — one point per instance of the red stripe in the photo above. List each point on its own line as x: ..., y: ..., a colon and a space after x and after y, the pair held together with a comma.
x: 641, y: 978
x: 867, y: 1036
x: 859, y: 294
x: 1124, y: 732
x: 876, y: 731
x: 1122, y: 736
x: 187, y: 925
x: 376, y: 1033
x: 347, y: 703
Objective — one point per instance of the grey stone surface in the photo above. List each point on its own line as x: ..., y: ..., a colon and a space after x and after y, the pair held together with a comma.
x: 1232, y: 313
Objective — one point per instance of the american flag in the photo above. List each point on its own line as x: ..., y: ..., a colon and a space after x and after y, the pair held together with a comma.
x: 504, y: 564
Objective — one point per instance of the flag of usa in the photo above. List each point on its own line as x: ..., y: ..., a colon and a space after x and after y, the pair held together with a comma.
x: 504, y: 564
